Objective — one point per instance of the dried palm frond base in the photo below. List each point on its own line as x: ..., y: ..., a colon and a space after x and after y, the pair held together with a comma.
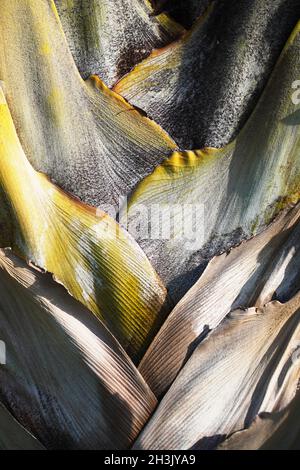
x: 110, y: 338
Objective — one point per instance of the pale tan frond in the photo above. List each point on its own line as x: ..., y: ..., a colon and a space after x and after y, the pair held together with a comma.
x: 66, y: 378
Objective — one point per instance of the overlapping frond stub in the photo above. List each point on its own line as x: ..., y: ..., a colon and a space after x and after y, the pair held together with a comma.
x: 246, y: 366
x: 203, y: 87
x: 96, y: 260
x: 108, y: 37
x: 252, y: 274
x: 66, y: 377
x: 234, y: 191
x: 85, y: 137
